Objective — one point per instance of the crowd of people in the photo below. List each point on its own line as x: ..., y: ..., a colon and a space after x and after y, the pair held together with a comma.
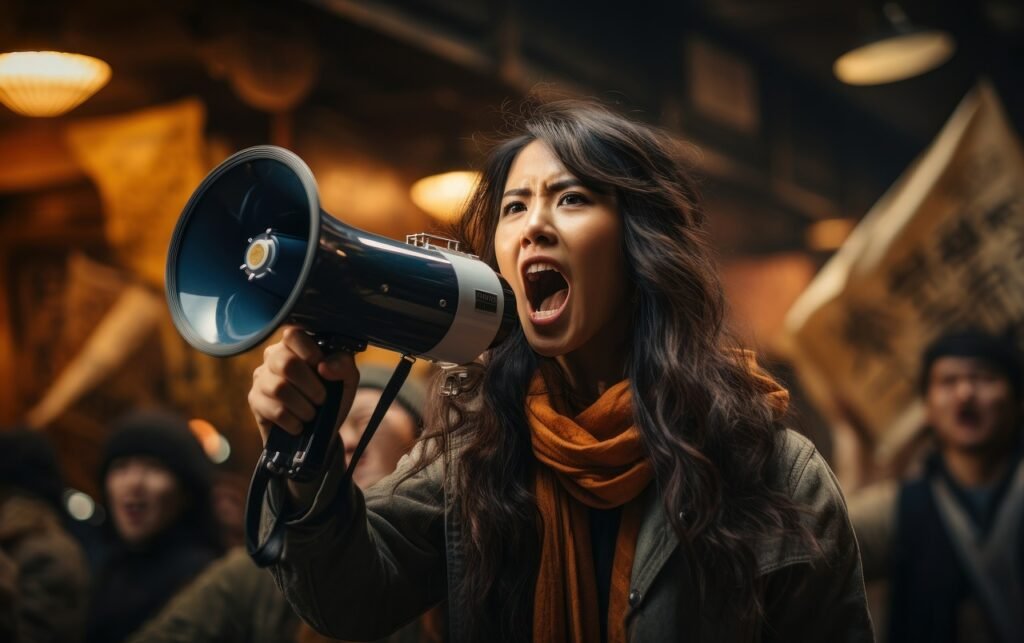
x: 616, y: 470
x: 158, y: 569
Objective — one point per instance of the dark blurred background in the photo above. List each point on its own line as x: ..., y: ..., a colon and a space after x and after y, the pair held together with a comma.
x: 376, y: 95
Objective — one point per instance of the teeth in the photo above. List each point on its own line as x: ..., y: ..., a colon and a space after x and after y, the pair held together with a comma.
x: 539, y: 267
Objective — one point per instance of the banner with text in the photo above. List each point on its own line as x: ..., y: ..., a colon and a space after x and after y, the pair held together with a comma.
x: 942, y: 249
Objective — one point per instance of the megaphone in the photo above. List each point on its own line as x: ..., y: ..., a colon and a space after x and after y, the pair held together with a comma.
x: 253, y: 250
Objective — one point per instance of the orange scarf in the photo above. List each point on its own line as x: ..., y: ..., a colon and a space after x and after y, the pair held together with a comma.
x: 592, y: 460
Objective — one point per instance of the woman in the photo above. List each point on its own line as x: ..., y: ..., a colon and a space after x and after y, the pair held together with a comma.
x: 615, y: 472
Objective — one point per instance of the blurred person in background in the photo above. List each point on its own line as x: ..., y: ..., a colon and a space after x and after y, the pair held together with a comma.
x: 236, y: 601
x: 156, y: 482
x: 44, y: 577
x: 228, y: 496
x: 950, y: 541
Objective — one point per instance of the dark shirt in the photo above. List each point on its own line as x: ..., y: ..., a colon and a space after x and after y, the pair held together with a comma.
x: 134, y: 583
x: 981, y: 503
x: 929, y: 587
x: 604, y: 530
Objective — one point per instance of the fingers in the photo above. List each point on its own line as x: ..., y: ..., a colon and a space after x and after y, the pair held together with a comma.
x: 276, y: 401
x: 340, y: 366
x: 287, y: 388
x: 284, y: 364
x: 302, y: 344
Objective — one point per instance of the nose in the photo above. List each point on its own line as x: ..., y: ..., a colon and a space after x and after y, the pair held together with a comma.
x: 964, y: 388
x: 538, y: 229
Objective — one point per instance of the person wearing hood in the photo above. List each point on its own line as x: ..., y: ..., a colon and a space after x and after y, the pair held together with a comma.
x: 156, y: 481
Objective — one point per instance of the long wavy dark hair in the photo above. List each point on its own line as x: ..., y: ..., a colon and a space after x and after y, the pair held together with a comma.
x: 703, y: 416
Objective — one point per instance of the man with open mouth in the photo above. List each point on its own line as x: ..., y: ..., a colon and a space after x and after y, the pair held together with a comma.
x: 950, y: 542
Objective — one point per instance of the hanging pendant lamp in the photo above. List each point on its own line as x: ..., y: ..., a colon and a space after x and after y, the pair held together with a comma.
x: 900, y: 51
x: 49, y: 83
x: 444, y: 195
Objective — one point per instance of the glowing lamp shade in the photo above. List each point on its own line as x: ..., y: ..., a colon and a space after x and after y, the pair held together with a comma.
x: 897, y: 57
x: 49, y: 83
x: 829, y: 234
x: 899, y: 50
x: 443, y: 196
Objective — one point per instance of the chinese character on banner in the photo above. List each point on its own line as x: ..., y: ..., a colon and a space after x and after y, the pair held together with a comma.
x: 943, y: 248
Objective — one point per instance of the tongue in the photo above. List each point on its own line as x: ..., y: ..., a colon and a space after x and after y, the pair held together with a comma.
x: 553, y: 301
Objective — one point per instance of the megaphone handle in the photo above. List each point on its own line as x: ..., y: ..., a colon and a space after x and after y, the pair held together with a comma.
x: 278, y: 461
x: 300, y: 457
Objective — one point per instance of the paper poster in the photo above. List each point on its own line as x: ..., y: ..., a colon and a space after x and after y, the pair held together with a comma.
x: 942, y: 249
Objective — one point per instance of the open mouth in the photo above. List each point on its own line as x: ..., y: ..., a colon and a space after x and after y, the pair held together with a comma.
x: 133, y: 510
x: 546, y: 289
x: 968, y: 416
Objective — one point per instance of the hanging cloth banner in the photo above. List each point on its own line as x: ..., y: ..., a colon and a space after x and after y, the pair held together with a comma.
x: 942, y: 249
x: 146, y: 165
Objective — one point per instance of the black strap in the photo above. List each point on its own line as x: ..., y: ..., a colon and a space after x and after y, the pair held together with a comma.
x: 269, y: 551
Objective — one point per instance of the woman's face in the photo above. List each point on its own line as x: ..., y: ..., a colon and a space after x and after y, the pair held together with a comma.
x: 559, y: 245
x: 145, y: 497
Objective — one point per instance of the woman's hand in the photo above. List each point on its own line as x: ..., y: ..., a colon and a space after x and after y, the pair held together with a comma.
x: 286, y: 389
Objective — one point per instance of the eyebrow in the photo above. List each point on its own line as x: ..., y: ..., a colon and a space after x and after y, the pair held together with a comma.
x: 557, y: 186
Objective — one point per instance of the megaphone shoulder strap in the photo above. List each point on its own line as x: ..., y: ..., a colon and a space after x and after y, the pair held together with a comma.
x: 269, y: 551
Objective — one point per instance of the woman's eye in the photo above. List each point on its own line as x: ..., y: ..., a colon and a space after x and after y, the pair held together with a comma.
x: 572, y: 198
x: 512, y: 208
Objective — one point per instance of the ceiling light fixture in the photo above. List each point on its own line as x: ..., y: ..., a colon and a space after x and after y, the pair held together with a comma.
x: 49, y: 83
x: 443, y: 196
x: 900, y: 51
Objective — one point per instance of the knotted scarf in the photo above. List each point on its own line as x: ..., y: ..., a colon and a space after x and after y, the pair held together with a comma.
x: 593, y: 460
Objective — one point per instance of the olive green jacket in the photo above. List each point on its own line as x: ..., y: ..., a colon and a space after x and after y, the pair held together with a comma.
x: 233, y: 601
x: 400, y: 551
